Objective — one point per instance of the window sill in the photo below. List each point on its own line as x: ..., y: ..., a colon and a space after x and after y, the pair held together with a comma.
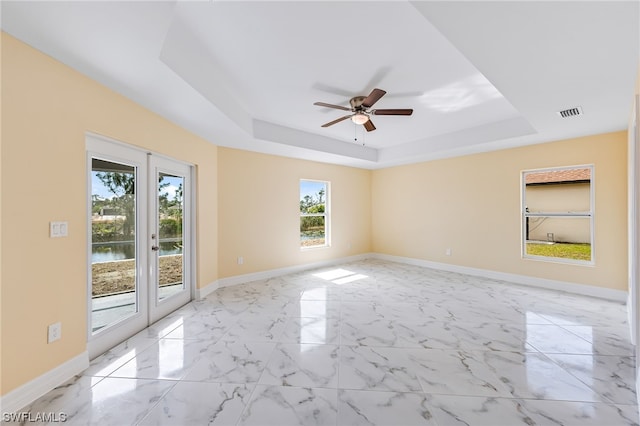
x: 560, y: 260
x: 309, y: 248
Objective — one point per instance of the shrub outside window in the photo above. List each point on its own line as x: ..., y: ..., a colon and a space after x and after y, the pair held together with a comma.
x: 557, y: 212
x: 314, y: 213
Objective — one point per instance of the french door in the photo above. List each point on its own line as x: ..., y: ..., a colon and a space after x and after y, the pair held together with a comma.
x: 140, y: 245
x: 170, y: 234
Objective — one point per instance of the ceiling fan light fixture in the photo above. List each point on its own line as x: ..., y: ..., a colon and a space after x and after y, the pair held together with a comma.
x: 359, y: 118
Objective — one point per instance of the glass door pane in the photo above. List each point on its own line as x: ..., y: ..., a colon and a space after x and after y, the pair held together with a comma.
x: 113, y: 243
x: 169, y: 239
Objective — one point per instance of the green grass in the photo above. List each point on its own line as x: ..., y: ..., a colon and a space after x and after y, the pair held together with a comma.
x: 562, y: 250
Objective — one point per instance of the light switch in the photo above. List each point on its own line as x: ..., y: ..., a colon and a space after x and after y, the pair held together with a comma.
x: 58, y: 229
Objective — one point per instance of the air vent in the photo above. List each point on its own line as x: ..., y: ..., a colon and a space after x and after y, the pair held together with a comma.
x: 571, y: 112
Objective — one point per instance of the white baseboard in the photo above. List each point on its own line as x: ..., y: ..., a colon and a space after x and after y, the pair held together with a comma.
x: 203, y: 292
x: 630, y: 320
x: 272, y: 273
x: 30, y: 391
x: 637, y: 385
x: 582, y: 289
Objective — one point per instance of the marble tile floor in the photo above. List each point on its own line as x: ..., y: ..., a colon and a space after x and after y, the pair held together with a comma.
x: 369, y: 342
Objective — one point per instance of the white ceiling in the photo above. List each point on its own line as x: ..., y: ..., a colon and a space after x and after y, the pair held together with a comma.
x: 479, y: 75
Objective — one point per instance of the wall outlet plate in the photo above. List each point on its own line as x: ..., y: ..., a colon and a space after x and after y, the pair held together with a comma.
x: 54, y: 332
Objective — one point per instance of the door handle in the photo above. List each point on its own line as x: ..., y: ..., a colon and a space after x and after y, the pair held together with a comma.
x: 155, y: 248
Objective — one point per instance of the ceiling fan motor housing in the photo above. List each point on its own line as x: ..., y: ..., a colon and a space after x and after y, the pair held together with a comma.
x: 356, y: 103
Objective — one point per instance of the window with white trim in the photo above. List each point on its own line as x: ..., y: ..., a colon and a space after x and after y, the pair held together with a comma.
x: 557, y: 214
x: 314, y: 213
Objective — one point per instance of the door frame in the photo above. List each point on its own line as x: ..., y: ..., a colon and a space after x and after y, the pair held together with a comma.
x: 98, y: 146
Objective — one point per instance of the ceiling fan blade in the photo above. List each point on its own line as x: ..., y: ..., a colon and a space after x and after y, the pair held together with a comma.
x: 373, y: 97
x: 322, y: 104
x: 331, y: 123
x: 369, y: 126
x: 333, y: 90
x: 392, y: 112
x: 376, y: 78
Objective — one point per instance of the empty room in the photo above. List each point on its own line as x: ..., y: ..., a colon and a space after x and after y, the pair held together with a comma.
x: 319, y: 212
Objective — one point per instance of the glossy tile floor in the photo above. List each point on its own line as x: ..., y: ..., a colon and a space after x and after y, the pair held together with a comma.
x: 369, y: 342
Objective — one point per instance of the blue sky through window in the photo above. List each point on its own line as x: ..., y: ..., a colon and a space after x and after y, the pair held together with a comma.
x: 311, y: 188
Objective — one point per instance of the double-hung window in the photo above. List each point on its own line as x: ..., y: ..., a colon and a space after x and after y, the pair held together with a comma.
x: 557, y: 213
x: 314, y: 213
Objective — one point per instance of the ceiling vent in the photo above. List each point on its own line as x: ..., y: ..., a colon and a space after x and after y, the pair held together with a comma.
x: 571, y: 112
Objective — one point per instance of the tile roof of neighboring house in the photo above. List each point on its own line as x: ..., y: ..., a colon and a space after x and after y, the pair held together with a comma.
x: 564, y: 175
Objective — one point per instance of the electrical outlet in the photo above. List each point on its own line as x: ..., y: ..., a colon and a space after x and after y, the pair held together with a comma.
x: 448, y: 252
x: 54, y: 332
x: 240, y: 260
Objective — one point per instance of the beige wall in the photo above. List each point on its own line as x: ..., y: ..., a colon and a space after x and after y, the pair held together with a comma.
x: 471, y: 205
x: 47, y: 108
x: 259, y: 199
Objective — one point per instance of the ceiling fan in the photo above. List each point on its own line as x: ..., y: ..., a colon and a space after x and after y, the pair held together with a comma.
x: 361, y: 111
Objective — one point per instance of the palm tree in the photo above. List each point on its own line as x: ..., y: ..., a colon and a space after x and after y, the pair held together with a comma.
x: 320, y: 195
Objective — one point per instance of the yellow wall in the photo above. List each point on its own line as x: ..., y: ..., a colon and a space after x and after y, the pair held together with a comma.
x: 47, y: 108
x: 471, y: 205
x: 259, y: 202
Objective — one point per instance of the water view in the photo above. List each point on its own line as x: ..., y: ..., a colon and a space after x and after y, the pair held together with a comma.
x: 122, y: 250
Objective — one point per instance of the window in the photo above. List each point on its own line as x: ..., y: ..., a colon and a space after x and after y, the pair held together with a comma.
x: 557, y: 214
x: 314, y: 213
